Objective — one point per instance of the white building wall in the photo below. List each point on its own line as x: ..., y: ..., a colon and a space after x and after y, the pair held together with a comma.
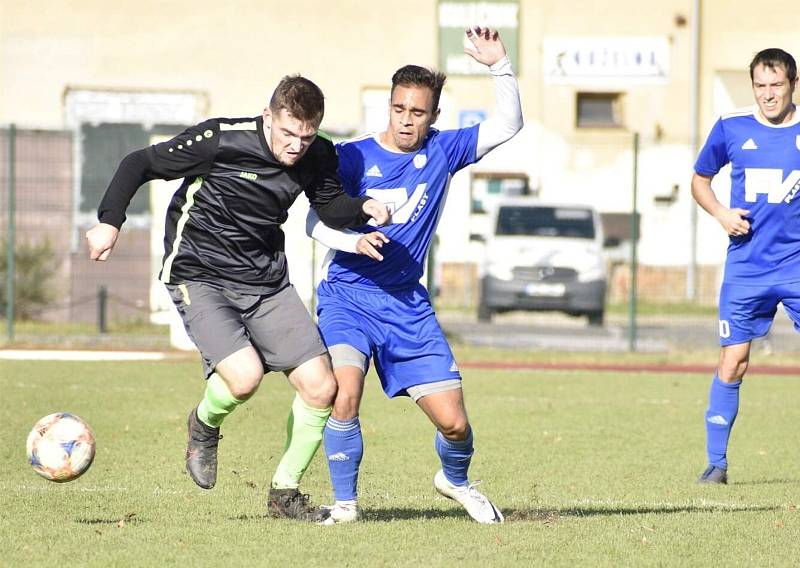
x: 234, y: 53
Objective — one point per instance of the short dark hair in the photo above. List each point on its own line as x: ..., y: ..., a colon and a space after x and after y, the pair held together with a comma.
x: 300, y: 97
x: 416, y: 76
x: 772, y: 58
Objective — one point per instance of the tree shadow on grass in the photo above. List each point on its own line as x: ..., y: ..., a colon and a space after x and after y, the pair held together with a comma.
x: 548, y: 516
x: 766, y: 482
x: 406, y: 514
x: 244, y: 517
x: 128, y: 519
x: 377, y: 515
x: 545, y: 516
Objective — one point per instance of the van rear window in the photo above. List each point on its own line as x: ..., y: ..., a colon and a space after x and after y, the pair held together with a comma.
x: 575, y: 223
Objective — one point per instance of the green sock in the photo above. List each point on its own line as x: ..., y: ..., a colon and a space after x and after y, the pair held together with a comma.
x: 303, y: 436
x: 217, y: 403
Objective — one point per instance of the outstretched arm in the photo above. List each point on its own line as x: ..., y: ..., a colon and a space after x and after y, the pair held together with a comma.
x: 345, y: 241
x: 167, y: 160
x: 336, y: 208
x: 485, y: 46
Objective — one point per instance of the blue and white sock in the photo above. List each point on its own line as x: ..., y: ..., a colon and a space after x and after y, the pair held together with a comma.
x: 723, y: 406
x: 344, y: 448
x: 455, y: 456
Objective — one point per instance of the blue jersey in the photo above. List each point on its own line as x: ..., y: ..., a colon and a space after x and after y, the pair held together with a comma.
x: 765, y: 179
x: 414, y: 187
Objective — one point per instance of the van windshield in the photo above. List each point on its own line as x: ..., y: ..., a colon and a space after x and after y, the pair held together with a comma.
x: 575, y: 223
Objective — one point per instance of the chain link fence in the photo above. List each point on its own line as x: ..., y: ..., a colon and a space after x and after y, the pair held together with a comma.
x: 53, y: 195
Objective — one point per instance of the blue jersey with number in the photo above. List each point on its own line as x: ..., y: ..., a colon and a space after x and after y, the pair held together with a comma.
x: 414, y: 186
x: 765, y: 179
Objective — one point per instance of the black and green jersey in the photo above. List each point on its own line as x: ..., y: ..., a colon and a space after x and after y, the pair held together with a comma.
x: 223, y: 225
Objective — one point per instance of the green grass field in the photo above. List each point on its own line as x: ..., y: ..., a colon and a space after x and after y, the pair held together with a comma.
x: 592, y: 469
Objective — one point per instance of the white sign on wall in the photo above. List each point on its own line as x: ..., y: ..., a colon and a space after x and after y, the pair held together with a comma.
x: 606, y: 60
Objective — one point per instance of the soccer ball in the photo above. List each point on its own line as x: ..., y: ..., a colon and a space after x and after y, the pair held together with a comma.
x: 60, y: 447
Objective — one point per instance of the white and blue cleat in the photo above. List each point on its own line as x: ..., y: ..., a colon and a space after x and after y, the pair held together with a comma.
x: 340, y: 513
x: 476, y: 504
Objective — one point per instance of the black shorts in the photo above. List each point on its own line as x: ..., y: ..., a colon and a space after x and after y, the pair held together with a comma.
x: 221, y: 322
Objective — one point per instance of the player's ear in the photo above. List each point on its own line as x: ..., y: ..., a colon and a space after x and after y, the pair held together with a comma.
x: 436, y: 115
x: 267, y: 116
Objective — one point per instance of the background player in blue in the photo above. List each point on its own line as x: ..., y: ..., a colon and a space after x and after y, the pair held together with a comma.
x: 372, y: 304
x: 762, y: 268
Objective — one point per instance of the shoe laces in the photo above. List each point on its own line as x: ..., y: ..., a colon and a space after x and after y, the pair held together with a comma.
x: 298, y: 500
x: 205, y: 438
x: 474, y: 493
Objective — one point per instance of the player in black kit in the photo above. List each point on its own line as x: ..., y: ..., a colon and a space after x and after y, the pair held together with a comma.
x: 225, y: 267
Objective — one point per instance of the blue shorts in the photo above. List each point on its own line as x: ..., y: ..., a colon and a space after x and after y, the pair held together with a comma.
x: 398, y: 329
x: 746, y: 312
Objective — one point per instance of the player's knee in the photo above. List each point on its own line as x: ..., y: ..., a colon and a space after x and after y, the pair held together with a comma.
x: 244, y: 385
x: 319, y: 391
x: 242, y: 373
x: 456, y: 428
x: 732, y: 370
x: 346, y: 405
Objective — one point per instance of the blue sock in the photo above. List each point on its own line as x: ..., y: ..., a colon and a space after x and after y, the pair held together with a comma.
x: 455, y: 456
x: 723, y: 405
x: 344, y: 448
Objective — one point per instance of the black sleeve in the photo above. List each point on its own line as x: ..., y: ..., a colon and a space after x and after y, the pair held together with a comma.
x: 191, y: 153
x: 325, y: 194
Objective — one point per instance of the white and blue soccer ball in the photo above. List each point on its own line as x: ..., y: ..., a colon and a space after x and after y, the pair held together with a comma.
x: 60, y: 447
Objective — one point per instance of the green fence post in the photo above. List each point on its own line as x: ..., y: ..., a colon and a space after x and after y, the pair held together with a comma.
x: 10, y: 268
x: 634, y: 243
x: 102, y: 310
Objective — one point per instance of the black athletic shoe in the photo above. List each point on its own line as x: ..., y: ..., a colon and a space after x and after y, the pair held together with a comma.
x: 201, y: 452
x: 714, y: 475
x: 291, y: 504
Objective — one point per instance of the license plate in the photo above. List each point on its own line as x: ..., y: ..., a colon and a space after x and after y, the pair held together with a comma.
x: 548, y: 290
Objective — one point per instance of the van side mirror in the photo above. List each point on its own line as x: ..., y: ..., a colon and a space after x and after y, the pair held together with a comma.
x: 477, y: 238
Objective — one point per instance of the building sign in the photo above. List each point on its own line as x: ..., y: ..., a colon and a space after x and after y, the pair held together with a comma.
x: 606, y: 60
x: 133, y: 107
x: 456, y: 16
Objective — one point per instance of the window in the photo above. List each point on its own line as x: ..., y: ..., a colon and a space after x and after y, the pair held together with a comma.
x: 599, y: 110
x: 109, y: 124
x: 103, y: 146
x: 489, y: 187
x: 576, y: 223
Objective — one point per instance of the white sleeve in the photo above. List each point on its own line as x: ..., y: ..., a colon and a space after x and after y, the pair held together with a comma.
x: 345, y: 241
x: 506, y: 120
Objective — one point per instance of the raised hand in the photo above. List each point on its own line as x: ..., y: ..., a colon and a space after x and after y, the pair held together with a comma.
x: 484, y: 45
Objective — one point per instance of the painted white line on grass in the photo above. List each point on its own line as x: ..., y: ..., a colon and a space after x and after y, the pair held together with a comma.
x: 54, y: 355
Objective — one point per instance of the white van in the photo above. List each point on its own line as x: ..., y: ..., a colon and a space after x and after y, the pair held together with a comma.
x: 544, y: 257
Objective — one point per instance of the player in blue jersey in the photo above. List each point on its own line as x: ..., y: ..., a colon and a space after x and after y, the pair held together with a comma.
x: 762, y: 269
x: 371, y: 303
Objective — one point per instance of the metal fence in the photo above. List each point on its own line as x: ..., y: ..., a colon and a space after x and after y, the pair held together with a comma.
x: 47, y: 201
x: 48, y: 273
